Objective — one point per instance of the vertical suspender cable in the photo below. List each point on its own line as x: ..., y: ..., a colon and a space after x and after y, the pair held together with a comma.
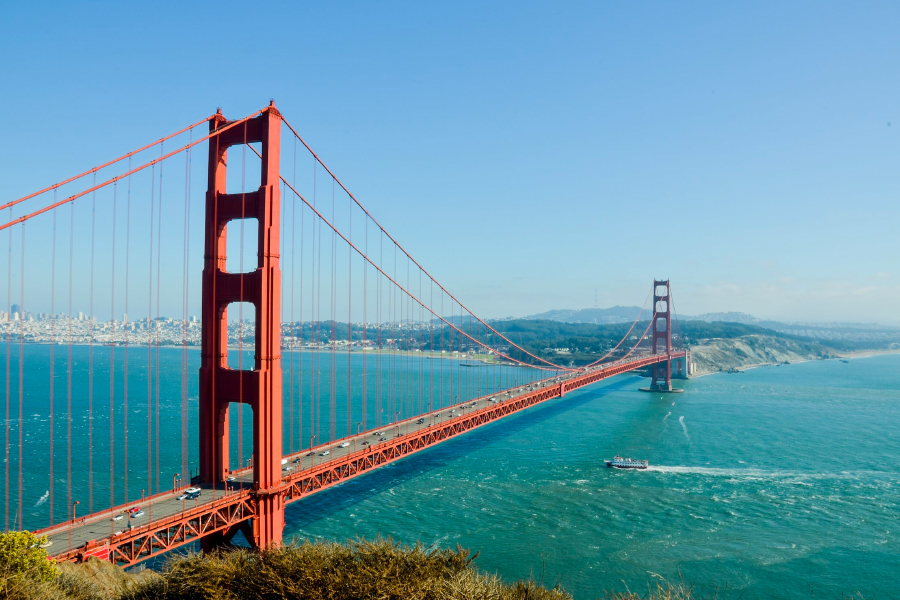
x: 125, y: 325
x: 21, y: 376
x: 112, y: 371
x: 158, y: 287
x: 431, y: 352
x: 186, y: 326
x: 349, y: 315
x: 422, y: 351
x: 293, y: 322
x: 365, y: 328
x: 8, y: 350
x: 52, y: 346
x: 184, y: 308
x: 332, y: 406
x: 150, y: 337
x: 69, y: 366
x: 302, y: 231
x: 314, y: 328
x: 453, y: 366
x: 318, y: 304
x: 378, y: 342
x: 91, y: 361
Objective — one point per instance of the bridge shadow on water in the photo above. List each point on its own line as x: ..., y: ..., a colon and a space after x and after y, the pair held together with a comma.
x: 332, y: 500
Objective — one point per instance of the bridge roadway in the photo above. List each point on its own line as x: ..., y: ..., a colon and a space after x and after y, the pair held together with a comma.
x: 168, y: 522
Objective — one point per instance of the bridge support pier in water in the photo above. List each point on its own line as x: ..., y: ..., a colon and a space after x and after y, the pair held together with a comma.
x: 259, y: 388
x: 661, y: 332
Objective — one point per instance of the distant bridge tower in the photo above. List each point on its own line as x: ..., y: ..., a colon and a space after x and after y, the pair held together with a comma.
x: 259, y: 388
x: 662, y: 335
x: 661, y: 332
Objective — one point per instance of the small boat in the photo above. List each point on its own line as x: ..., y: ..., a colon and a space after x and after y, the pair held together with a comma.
x: 627, y: 463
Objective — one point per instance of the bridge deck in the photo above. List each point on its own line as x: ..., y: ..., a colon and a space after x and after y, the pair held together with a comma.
x: 168, y: 522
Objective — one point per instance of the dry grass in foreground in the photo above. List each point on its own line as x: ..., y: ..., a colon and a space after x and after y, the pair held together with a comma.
x: 321, y: 571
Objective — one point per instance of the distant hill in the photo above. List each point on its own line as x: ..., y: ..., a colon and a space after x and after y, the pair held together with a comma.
x: 843, y: 336
x: 726, y: 317
x: 595, y: 316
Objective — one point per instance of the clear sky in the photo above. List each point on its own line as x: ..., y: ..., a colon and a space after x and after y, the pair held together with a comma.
x: 526, y: 153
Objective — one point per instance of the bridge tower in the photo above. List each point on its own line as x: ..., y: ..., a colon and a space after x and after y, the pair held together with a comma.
x: 259, y: 388
x: 661, y: 332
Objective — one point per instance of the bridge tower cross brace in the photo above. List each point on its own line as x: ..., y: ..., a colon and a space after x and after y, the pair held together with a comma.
x: 662, y: 335
x: 259, y: 388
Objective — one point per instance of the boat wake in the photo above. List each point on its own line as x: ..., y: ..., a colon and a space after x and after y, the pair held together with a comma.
x: 42, y: 499
x: 667, y: 416
x: 791, y: 476
x: 684, y: 427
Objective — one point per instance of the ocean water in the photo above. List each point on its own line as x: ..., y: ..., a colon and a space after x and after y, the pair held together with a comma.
x: 780, y: 482
x: 132, y: 424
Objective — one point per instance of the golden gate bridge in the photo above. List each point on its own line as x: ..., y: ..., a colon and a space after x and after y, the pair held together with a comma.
x: 359, y: 355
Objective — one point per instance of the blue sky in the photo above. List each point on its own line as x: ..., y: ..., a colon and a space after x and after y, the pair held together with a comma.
x: 527, y: 154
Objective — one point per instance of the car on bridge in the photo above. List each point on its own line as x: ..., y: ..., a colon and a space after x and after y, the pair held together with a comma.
x: 343, y: 444
x: 324, y: 453
x: 192, y: 493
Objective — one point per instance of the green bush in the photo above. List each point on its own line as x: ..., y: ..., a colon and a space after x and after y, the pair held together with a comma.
x: 23, y: 561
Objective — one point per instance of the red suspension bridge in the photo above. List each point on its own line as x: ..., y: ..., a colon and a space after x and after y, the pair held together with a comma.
x: 359, y: 356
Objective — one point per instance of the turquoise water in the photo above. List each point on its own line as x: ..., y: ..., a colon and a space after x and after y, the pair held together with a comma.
x: 781, y: 482
x: 149, y: 450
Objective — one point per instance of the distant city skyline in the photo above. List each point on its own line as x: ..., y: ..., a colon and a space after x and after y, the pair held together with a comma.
x: 531, y: 156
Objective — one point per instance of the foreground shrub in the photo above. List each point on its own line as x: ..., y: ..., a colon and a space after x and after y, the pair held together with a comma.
x: 331, y: 571
x: 23, y: 562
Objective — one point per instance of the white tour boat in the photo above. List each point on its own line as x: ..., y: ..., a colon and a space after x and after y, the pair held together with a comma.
x: 627, y: 463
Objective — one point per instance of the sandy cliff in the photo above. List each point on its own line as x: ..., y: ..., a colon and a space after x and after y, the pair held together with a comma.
x: 711, y: 356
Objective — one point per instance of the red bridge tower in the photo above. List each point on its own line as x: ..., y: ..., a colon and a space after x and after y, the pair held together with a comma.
x: 259, y: 388
x: 661, y: 332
